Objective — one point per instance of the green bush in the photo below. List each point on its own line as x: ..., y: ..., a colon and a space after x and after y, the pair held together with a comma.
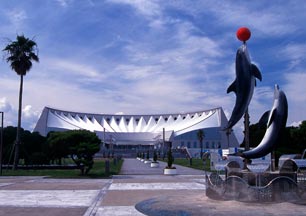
x: 170, y: 159
x: 155, y: 156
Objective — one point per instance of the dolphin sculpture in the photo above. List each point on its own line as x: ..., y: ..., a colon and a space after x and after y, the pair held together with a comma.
x: 276, y: 123
x: 244, y: 84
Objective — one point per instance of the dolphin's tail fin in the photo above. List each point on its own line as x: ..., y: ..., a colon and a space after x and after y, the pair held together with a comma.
x: 240, y: 154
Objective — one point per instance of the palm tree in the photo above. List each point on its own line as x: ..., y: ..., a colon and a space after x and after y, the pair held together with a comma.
x: 201, y: 135
x: 20, y: 54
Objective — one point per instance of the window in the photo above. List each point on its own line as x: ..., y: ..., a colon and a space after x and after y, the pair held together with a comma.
x: 207, y: 145
x: 182, y: 143
x: 195, y: 144
x: 213, y: 144
x: 188, y: 144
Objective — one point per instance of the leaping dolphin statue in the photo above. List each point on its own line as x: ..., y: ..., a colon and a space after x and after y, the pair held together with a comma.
x: 276, y: 123
x: 244, y: 84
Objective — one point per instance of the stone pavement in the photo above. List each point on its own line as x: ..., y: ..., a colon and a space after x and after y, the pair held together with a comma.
x: 33, y: 196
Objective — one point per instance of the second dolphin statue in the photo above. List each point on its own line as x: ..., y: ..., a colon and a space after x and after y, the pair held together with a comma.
x: 244, y: 84
x: 276, y: 123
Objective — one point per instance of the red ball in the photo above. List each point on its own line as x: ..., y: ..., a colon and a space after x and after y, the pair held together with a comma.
x: 243, y: 34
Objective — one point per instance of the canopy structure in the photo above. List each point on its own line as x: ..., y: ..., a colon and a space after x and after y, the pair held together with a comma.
x: 134, y: 129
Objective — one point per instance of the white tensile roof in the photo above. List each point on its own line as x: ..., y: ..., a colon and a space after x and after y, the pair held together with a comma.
x: 128, y: 128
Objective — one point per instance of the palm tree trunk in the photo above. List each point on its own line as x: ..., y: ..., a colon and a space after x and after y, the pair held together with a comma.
x: 201, y: 143
x: 18, y: 135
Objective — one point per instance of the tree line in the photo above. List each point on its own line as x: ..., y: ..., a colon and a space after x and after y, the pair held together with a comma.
x: 292, y: 140
x: 77, y: 145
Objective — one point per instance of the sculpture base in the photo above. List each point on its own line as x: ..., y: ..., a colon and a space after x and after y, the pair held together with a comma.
x: 246, y: 186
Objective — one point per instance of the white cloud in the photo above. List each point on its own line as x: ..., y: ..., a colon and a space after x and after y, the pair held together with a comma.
x: 70, y: 68
x: 295, y: 54
x: 17, y: 16
x: 295, y: 87
x: 144, y: 7
x: 64, y: 3
x: 136, y: 72
x: 296, y: 124
x: 295, y: 92
x: 5, y: 106
x: 29, y: 117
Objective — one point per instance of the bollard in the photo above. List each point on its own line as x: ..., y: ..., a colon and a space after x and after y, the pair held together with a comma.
x: 190, y: 162
x: 107, y: 167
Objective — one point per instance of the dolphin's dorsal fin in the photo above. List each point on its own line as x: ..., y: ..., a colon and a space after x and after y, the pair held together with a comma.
x: 264, y: 119
x: 232, y: 87
x: 256, y: 72
x: 271, y: 118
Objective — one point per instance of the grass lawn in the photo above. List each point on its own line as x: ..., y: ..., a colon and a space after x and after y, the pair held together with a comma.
x: 98, y: 171
x: 196, y: 163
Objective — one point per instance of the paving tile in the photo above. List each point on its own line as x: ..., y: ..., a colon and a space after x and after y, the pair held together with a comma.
x: 47, y: 198
x: 118, y: 211
x: 138, y: 183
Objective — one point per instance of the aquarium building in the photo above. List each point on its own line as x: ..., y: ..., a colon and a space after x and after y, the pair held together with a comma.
x: 179, y: 129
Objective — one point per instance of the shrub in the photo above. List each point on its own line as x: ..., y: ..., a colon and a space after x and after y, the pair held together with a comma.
x: 155, y: 156
x: 170, y: 159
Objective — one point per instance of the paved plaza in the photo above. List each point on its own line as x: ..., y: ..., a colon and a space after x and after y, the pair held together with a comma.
x: 33, y: 196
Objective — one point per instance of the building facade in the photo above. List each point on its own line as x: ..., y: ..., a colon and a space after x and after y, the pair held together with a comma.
x: 179, y: 129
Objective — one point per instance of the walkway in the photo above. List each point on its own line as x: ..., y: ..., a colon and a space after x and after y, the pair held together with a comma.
x: 135, y: 167
x: 138, y: 185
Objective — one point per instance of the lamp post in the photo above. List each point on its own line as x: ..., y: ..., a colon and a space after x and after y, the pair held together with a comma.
x: 163, y: 141
x: 228, y: 133
x: 247, y: 130
x: 246, y: 135
x: 1, y: 141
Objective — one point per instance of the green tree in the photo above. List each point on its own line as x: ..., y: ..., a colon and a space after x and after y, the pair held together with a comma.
x: 292, y: 140
x: 58, y: 146
x: 32, y: 144
x: 79, y: 145
x: 20, y: 54
x: 200, y: 136
x: 83, y: 146
x: 9, y: 137
x: 33, y: 148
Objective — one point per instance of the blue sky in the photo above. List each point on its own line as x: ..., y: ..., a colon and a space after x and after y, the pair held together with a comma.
x: 148, y: 57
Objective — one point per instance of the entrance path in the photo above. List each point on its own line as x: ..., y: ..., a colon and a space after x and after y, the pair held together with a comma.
x: 135, y: 167
x: 138, y: 184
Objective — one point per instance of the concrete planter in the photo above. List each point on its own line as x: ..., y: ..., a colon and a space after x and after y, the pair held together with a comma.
x: 170, y: 171
x: 154, y: 164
